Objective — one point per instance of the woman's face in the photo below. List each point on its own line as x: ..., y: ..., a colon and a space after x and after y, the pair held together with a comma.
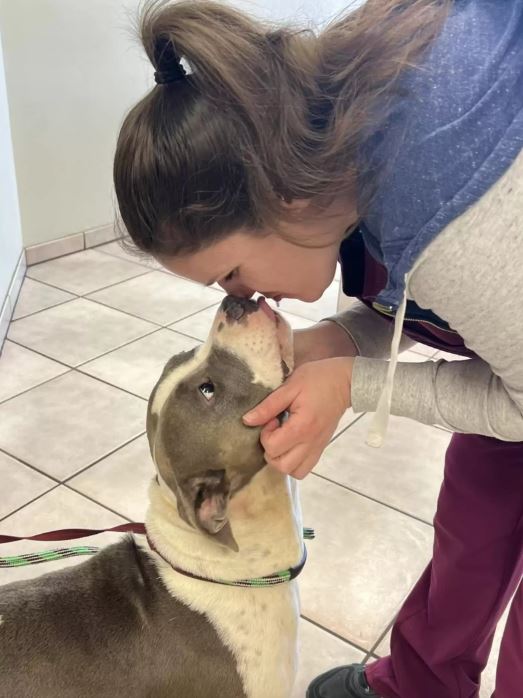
x: 268, y: 263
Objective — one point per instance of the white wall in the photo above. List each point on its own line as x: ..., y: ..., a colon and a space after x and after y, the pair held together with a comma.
x: 73, y: 69
x: 10, y: 235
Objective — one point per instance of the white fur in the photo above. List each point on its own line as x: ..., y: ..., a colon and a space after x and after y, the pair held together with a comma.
x: 176, y: 375
x: 259, y: 626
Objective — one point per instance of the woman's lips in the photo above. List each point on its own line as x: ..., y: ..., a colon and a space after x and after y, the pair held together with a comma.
x: 265, y: 307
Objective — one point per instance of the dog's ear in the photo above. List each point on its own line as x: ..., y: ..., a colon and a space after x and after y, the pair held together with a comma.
x: 208, y: 494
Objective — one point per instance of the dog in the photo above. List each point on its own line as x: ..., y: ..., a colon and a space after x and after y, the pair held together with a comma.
x: 156, y: 617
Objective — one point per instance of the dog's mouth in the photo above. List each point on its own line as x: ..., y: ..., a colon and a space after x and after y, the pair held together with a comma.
x: 257, y: 333
x: 266, y: 308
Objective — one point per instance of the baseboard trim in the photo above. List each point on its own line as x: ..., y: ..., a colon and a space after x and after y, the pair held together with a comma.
x: 9, y: 303
x: 35, y: 254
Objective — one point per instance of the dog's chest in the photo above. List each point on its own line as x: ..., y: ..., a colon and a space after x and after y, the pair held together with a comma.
x: 258, y: 625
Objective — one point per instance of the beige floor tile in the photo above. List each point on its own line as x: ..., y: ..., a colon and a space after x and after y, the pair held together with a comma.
x: 383, y: 649
x: 115, y: 249
x: 413, y: 357
x: 406, y: 472
x: 85, y: 272
x: 60, y: 508
x: 21, y: 369
x: 66, y: 424
x: 161, y: 298
x: 35, y: 296
x: 314, y: 311
x: 77, y: 331
x: 197, y: 325
x: 423, y: 349
x: 348, y: 418
x: 20, y: 485
x: 121, y: 480
x: 319, y: 652
x: 138, y: 366
x: 449, y: 357
x: 362, y: 564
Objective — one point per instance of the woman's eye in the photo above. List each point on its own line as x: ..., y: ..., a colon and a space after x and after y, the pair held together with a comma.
x: 207, y: 390
x: 230, y: 276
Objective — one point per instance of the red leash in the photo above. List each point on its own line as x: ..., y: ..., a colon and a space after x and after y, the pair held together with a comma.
x: 71, y: 533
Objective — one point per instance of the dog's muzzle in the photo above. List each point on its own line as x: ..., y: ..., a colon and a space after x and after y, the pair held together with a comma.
x: 236, y: 308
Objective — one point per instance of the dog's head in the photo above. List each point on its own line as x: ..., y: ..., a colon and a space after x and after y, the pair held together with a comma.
x: 203, y: 451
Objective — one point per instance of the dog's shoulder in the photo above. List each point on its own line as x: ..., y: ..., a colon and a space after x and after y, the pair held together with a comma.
x: 113, y: 612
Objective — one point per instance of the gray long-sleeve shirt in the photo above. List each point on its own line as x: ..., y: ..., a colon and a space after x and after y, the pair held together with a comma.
x: 471, y: 276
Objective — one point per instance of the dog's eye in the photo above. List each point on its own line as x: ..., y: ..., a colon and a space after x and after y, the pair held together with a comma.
x: 207, y: 390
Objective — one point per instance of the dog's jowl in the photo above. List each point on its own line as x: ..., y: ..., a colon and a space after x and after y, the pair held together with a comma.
x: 190, y: 611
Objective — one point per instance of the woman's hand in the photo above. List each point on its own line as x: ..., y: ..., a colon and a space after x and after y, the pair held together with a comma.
x: 316, y: 395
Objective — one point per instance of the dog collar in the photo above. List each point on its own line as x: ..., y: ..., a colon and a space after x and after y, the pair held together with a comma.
x: 270, y: 580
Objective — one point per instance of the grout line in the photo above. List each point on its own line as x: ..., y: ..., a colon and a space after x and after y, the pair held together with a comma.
x: 106, y: 382
x: 37, y: 385
x: 334, y: 634
x: 184, y: 334
x: 356, y: 419
x: 41, y: 310
x: 188, y: 317
x: 29, y: 465
x: 145, y: 272
x: 47, y: 283
x: 153, y: 322
x: 373, y: 499
x: 66, y: 480
x: 26, y: 504
x: 111, y: 385
x: 370, y: 656
x: 94, y: 501
x: 124, y: 312
x: 382, y: 636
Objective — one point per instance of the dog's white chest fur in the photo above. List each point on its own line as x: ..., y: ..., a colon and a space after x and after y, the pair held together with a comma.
x: 258, y: 625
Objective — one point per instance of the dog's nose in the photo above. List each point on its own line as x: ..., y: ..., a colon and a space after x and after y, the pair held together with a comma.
x: 235, y: 308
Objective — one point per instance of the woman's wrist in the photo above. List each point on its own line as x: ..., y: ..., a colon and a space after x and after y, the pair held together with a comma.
x: 324, y: 340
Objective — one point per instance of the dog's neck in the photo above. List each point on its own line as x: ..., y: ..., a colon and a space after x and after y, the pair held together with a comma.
x: 265, y: 518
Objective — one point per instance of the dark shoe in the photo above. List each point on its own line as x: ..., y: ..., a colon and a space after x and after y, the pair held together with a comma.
x: 342, y: 682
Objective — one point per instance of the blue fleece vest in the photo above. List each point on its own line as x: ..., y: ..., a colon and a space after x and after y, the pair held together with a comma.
x: 455, y: 130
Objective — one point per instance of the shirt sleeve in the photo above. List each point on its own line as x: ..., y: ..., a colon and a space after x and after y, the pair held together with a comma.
x: 371, y: 333
x: 471, y: 275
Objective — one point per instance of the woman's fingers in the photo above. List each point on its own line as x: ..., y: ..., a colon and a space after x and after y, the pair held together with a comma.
x: 273, y: 405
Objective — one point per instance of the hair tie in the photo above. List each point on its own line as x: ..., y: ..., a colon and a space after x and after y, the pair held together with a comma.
x: 169, y: 67
x: 164, y: 77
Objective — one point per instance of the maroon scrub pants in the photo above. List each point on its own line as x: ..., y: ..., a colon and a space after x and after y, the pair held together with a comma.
x: 442, y: 637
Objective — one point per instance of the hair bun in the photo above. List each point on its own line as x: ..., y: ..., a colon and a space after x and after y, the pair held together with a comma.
x: 167, y: 62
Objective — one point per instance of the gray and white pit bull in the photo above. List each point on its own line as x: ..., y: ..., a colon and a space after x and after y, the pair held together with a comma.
x: 125, y: 623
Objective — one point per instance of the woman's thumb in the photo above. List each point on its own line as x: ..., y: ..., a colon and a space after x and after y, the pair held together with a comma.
x: 273, y: 405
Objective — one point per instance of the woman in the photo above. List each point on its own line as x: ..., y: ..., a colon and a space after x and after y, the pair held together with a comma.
x: 393, y: 140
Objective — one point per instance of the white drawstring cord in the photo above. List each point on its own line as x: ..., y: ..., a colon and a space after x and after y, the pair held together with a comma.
x: 380, y: 420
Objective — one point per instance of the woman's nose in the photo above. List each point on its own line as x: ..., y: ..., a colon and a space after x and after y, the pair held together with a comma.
x: 233, y: 288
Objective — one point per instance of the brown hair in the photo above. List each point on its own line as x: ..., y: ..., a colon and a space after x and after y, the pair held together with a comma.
x: 266, y: 114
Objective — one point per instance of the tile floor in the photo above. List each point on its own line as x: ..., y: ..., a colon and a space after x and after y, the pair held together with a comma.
x: 89, y: 337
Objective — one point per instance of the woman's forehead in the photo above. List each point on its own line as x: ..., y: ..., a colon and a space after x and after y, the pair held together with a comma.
x: 213, y: 261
